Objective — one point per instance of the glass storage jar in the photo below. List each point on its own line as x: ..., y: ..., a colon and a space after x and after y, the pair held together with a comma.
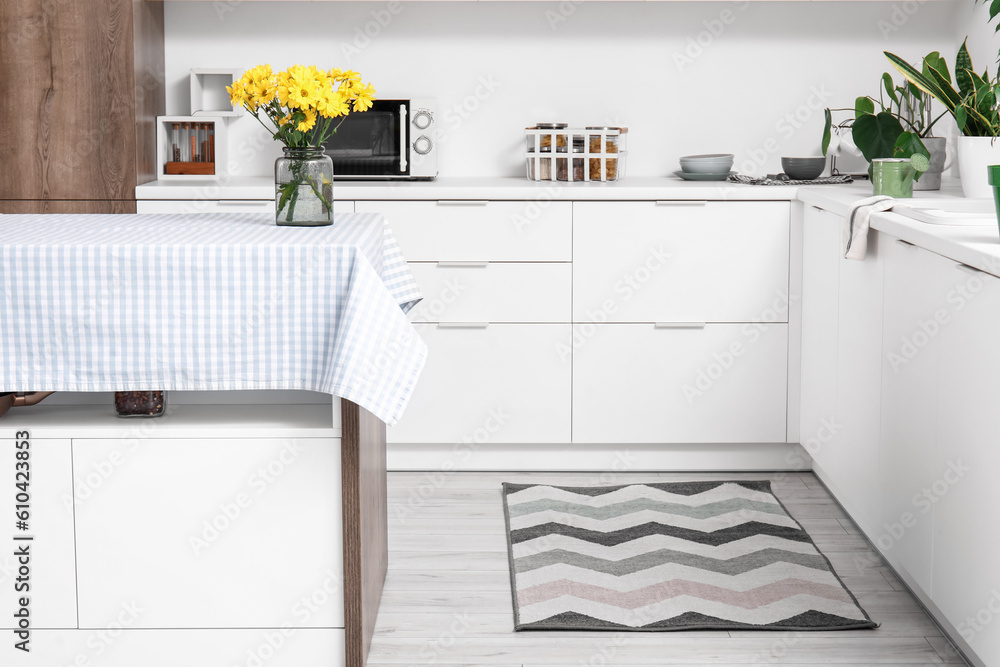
x: 562, y: 164
x: 140, y: 403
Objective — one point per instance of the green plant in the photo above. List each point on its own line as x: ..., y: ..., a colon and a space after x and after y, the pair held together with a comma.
x: 895, y: 129
x: 974, y: 104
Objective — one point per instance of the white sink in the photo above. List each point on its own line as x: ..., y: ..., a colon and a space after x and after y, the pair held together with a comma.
x: 949, y: 211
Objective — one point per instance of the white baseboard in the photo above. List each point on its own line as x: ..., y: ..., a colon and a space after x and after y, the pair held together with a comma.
x: 621, y: 458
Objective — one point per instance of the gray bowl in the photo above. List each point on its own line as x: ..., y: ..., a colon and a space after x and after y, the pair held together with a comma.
x: 716, y: 163
x: 803, y: 168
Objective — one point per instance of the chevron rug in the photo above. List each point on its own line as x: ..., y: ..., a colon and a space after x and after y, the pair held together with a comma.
x: 673, y: 556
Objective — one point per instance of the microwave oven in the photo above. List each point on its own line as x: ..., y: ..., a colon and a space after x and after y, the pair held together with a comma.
x: 394, y: 140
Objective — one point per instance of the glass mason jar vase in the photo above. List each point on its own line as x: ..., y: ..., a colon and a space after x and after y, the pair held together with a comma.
x: 893, y: 177
x: 303, y: 187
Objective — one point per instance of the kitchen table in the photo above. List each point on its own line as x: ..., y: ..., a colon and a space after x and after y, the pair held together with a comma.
x: 223, y: 302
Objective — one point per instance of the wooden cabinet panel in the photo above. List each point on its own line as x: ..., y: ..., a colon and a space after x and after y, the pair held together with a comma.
x: 67, y: 206
x: 52, y: 576
x: 210, y: 533
x: 495, y: 231
x: 89, y: 81
x: 494, y: 292
x: 820, y: 306
x: 506, y: 383
x: 707, y: 262
x: 634, y: 383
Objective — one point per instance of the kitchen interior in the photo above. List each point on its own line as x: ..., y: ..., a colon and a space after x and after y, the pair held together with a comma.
x: 610, y: 319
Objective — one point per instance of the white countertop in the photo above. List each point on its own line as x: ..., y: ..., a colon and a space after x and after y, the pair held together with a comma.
x: 664, y: 187
x: 977, y: 246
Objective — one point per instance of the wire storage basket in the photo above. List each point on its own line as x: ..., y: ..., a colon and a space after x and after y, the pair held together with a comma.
x: 575, y: 154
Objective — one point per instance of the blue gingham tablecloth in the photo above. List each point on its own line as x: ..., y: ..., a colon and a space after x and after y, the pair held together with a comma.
x: 208, y: 302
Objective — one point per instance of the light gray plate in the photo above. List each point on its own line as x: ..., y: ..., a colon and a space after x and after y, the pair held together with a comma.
x: 703, y: 177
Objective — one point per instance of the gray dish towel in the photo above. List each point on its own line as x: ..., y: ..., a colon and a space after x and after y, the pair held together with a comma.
x: 857, y: 222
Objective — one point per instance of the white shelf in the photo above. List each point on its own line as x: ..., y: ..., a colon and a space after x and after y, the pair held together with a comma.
x: 53, y: 420
x: 209, y: 96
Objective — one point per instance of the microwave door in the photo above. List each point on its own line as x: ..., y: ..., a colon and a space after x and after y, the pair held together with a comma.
x: 370, y: 144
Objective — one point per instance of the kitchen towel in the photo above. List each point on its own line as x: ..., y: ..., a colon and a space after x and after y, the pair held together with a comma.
x: 840, y: 179
x: 857, y: 222
x: 715, y: 555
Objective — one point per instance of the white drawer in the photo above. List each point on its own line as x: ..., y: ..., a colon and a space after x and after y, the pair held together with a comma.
x: 641, y: 384
x: 713, y: 262
x: 246, y: 527
x: 505, y: 383
x: 222, y: 206
x: 497, y: 231
x: 493, y: 292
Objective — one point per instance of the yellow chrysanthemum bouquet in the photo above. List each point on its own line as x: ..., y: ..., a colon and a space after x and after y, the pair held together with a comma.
x: 302, y: 107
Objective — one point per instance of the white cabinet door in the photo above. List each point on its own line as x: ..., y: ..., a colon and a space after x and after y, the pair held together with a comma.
x: 821, y: 254
x: 915, y: 312
x: 505, y: 383
x: 493, y: 292
x: 713, y: 262
x: 851, y: 457
x: 210, y: 533
x: 46, y: 481
x: 965, y: 490
x: 496, y: 231
x: 634, y: 383
x: 222, y: 206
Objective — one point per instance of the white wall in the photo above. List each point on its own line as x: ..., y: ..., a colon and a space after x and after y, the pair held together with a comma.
x: 755, y: 85
x: 983, y: 42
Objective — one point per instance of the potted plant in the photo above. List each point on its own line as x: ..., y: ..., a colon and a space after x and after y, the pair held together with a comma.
x: 974, y: 107
x: 896, y: 125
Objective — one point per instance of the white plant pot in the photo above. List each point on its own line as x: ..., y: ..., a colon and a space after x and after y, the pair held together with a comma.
x: 975, y: 154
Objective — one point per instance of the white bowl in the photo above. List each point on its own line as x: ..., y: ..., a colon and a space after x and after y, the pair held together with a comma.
x: 707, y: 164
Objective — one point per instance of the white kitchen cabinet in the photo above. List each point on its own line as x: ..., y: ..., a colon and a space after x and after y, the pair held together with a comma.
x: 680, y: 261
x: 123, y: 645
x: 221, y: 206
x: 466, y: 230
x: 636, y: 383
x: 501, y: 383
x: 210, y: 532
x: 964, y: 491
x: 493, y: 292
x: 915, y: 312
x: 821, y: 258
x: 851, y: 460
x: 51, y: 577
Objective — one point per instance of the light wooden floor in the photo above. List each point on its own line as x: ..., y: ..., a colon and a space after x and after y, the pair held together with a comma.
x: 447, y: 596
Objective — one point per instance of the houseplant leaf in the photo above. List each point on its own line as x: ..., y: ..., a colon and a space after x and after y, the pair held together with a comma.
x: 934, y: 61
x: 919, y: 79
x: 876, y: 135
x: 863, y: 106
x: 964, y: 72
x: 890, y: 88
x: 961, y: 117
x: 907, y: 145
x: 828, y: 129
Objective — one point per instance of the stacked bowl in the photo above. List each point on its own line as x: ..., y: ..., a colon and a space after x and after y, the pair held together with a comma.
x: 711, y: 167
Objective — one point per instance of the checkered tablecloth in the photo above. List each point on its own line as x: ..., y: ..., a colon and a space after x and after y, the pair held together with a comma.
x: 207, y: 302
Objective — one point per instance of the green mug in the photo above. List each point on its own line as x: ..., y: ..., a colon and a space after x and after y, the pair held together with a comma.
x: 893, y: 177
x: 994, y: 176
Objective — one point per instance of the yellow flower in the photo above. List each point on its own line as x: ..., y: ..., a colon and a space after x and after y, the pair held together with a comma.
x: 365, y: 97
x: 334, y: 104
x: 238, y: 94
x: 308, y: 122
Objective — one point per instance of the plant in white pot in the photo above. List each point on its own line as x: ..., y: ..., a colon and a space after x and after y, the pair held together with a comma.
x: 975, y: 108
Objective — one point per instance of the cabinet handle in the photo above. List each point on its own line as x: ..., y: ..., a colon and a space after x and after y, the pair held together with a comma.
x: 969, y: 269
x: 462, y: 202
x: 233, y: 202
x: 463, y: 325
x: 904, y: 243
x: 679, y: 325
x: 680, y: 202
x: 462, y: 265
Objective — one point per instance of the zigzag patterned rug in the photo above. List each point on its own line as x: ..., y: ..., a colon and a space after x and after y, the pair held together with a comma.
x: 672, y: 556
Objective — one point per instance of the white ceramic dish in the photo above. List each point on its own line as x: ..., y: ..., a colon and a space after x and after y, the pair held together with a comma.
x: 689, y: 176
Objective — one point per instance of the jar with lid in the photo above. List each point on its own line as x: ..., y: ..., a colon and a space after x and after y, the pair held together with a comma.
x: 546, y: 140
x: 562, y: 164
x: 544, y: 161
x: 601, y: 144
